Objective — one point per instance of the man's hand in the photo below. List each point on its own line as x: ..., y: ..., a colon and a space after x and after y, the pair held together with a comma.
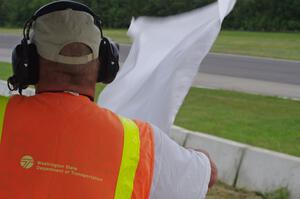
x: 214, y: 170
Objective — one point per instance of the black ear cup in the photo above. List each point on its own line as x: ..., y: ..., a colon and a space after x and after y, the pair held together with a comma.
x: 109, y: 61
x: 25, y: 63
x: 33, y: 65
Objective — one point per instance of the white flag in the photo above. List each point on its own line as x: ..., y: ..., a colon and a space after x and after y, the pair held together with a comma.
x: 164, y: 59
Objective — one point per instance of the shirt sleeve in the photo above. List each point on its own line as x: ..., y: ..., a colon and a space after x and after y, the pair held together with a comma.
x: 178, y: 172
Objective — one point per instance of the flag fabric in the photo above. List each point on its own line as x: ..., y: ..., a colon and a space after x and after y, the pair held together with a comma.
x: 164, y: 59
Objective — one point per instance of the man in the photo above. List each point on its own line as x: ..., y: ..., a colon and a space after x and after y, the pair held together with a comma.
x: 60, y: 144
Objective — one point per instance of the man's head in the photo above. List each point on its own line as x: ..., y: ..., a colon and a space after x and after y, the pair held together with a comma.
x: 55, y: 30
x: 71, y: 50
x: 68, y: 44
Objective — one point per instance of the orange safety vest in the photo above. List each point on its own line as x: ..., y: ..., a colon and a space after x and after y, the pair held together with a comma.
x: 56, y: 145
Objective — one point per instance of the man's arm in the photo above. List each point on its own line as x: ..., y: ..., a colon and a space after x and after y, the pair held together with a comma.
x: 179, y: 172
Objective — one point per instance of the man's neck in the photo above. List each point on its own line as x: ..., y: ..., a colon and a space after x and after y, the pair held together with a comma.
x: 81, y: 90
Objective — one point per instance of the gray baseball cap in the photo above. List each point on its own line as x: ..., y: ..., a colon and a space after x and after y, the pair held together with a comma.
x: 53, y: 31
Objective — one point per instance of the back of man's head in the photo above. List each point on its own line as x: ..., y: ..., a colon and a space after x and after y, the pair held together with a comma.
x: 67, y: 42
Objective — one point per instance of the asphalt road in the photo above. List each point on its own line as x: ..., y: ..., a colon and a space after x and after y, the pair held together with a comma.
x: 8, y: 41
x: 225, y: 71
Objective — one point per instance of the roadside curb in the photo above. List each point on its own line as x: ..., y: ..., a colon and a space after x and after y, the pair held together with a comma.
x: 245, y: 166
x: 255, y: 57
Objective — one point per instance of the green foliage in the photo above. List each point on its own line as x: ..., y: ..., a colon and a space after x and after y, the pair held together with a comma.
x: 14, y: 13
x: 114, y: 13
x: 266, y: 15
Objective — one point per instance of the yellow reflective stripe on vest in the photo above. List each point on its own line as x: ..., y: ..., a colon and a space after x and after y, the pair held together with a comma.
x: 130, y: 159
x: 3, y: 104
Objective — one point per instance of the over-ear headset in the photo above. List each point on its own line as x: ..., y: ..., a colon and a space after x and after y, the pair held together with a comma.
x: 25, y: 58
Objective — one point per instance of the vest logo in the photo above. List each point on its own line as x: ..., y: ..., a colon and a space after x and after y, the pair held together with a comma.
x: 26, y: 162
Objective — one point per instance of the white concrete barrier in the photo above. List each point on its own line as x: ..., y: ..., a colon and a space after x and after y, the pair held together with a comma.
x: 179, y: 135
x: 265, y: 171
x: 245, y: 166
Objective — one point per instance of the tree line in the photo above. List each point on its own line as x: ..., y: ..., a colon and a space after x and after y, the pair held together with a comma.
x: 250, y: 15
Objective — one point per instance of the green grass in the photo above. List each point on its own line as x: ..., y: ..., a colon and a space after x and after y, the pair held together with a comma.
x: 267, y: 122
x: 5, y: 70
x: 222, y: 191
x: 262, y: 121
x: 261, y: 44
x: 119, y: 35
x: 281, y: 193
x: 13, y: 31
x: 99, y: 88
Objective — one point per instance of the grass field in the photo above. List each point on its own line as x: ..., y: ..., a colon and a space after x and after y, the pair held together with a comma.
x: 13, y: 31
x: 262, y: 121
x: 275, y: 45
x: 119, y: 35
x: 5, y: 70
x: 262, y: 44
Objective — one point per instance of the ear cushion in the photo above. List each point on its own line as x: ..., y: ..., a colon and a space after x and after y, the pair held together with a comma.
x: 109, y: 61
x: 25, y: 61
